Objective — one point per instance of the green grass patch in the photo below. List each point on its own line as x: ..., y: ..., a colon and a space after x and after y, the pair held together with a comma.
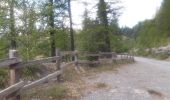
x: 57, y: 92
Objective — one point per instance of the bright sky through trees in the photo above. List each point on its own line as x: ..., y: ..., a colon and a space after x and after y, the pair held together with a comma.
x: 133, y: 11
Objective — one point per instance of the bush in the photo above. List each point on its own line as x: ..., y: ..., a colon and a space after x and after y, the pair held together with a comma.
x: 160, y: 56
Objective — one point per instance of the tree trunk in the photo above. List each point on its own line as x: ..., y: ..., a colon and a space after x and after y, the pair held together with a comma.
x: 71, y: 26
x: 25, y: 16
x: 51, y: 24
x: 12, y: 26
x: 102, y: 14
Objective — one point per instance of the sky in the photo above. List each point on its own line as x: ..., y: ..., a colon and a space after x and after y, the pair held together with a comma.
x: 133, y: 11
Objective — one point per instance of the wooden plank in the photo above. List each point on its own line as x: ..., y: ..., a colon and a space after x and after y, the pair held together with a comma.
x: 87, y: 62
x: 10, y: 90
x: 92, y: 55
x: 58, y: 62
x: 36, y: 62
x: 41, y: 81
x: 107, y: 53
x: 8, y: 62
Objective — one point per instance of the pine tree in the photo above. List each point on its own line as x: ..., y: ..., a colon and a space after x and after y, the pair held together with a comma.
x: 103, y: 19
x: 51, y: 24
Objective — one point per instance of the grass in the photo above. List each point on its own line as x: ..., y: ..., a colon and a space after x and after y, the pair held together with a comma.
x: 50, y: 91
x: 101, y: 68
x: 73, y: 85
x: 160, y: 56
x: 101, y: 85
x: 57, y: 92
x: 3, y: 78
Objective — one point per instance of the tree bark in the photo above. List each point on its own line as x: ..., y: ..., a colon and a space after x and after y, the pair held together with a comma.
x: 51, y: 24
x: 71, y: 26
x: 12, y: 26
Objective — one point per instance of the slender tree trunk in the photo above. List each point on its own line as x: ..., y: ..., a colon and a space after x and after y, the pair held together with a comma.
x: 102, y: 14
x: 12, y: 26
x: 71, y: 27
x: 25, y: 16
x: 51, y: 24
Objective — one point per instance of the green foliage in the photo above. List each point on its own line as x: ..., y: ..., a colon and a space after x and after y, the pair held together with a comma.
x: 121, y: 43
x: 148, y: 35
x: 62, y: 39
x: 163, y: 17
x: 3, y: 77
x: 91, y: 38
x: 155, y: 32
x: 3, y: 47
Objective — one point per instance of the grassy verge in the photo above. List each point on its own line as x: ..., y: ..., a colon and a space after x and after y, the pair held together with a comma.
x: 160, y: 56
x: 72, y: 87
x: 69, y: 89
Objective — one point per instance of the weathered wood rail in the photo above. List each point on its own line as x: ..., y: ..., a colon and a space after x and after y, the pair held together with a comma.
x: 15, y: 63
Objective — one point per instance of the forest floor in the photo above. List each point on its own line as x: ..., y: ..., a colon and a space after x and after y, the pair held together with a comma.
x: 146, y: 79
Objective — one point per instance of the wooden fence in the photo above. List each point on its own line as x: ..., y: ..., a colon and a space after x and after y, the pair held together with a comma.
x: 15, y: 63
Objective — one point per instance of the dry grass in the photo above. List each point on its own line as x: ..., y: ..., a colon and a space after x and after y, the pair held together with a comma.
x: 101, y: 85
x: 70, y: 89
x: 102, y: 68
x: 73, y: 85
x: 155, y: 93
x: 50, y: 91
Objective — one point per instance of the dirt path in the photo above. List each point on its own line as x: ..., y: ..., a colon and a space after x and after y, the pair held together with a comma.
x: 147, y: 79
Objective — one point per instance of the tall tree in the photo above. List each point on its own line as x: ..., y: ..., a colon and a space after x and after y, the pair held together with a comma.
x: 71, y: 26
x: 51, y: 24
x: 163, y: 17
x: 102, y: 15
x: 13, y: 34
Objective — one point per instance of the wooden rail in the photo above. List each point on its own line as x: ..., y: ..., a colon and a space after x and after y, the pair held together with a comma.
x: 14, y: 63
x: 8, y: 91
x: 8, y: 62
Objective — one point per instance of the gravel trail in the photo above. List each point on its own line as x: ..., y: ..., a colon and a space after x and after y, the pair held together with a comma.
x: 147, y: 79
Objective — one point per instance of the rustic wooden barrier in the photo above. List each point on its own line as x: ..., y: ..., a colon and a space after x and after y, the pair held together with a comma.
x: 10, y: 90
x: 14, y: 63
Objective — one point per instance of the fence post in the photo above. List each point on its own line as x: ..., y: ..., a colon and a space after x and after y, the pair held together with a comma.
x: 133, y: 59
x: 76, y: 58
x: 113, y: 58
x: 14, y: 73
x: 58, y: 63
